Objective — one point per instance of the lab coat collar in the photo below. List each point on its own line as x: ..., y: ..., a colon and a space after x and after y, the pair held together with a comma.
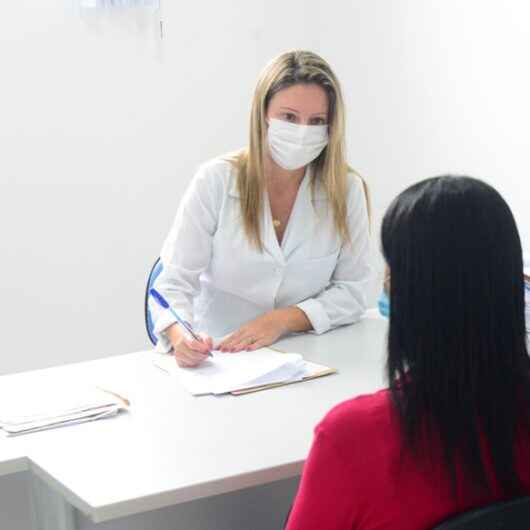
x: 301, y: 222
x: 320, y: 192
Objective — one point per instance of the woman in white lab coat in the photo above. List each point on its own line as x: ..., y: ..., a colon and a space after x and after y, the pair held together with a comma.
x: 274, y: 238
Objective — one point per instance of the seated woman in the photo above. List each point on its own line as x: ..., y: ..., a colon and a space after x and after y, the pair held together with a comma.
x: 452, y: 431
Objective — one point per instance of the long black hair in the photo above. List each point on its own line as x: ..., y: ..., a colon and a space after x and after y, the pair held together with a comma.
x: 458, y: 364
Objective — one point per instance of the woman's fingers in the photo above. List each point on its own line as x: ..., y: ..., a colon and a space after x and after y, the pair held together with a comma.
x: 182, y: 359
x: 182, y: 363
x: 231, y: 340
x: 191, y: 352
x: 197, y: 345
x: 244, y: 343
x: 251, y: 336
x: 189, y: 358
x: 188, y: 351
x: 261, y: 343
x: 207, y: 340
x: 228, y: 341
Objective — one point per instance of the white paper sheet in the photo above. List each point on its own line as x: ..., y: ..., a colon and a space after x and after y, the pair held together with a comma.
x: 32, y: 405
x: 225, y: 372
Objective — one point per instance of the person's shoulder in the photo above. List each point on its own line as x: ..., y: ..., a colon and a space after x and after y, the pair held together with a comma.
x: 357, y: 419
x: 221, y: 167
x: 358, y: 202
x: 355, y: 184
x: 354, y: 178
x: 216, y: 175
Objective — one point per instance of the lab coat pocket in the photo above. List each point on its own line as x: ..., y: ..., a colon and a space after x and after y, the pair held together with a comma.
x: 309, y: 277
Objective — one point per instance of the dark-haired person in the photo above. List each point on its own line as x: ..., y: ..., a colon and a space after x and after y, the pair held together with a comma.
x: 452, y: 431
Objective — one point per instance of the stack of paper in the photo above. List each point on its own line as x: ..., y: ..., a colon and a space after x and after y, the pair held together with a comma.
x: 311, y: 371
x: 25, y: 409
x: 239, y: 372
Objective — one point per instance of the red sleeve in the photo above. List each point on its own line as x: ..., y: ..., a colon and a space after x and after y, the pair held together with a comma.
x: 325, y: 498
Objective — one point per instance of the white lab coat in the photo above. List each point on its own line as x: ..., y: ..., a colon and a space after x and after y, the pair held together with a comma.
x: 214, y: 278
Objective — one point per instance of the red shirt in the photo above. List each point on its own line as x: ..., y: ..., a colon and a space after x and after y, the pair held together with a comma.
x: 354, y: 477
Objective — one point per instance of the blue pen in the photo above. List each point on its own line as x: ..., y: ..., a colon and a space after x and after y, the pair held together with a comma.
x: 182, y: 323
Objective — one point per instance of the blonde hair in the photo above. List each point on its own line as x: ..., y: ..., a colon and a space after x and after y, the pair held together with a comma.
x: 330, y: 168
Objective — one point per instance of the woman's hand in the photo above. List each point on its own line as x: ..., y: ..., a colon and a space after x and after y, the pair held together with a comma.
x: 265, y: 330
x: 188, y: 352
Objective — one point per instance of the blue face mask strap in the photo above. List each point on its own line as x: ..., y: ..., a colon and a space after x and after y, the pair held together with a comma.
x: 384, y: 305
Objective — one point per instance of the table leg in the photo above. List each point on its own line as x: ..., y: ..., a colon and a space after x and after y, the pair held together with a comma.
x: 50, y: 510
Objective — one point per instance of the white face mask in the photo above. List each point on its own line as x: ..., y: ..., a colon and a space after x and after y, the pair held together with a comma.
x: 293, y: 146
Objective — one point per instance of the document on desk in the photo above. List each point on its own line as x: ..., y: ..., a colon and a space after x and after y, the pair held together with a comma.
x: 231, y: 372
x: 26, y: 408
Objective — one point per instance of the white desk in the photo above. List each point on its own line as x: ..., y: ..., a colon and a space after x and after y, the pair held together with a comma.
x: 173, y: 447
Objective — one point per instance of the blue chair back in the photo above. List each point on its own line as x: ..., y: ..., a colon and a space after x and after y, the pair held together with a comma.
x: 156, y: 269
x: 509, y: 515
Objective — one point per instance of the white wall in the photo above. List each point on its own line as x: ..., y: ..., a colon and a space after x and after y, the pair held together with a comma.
x: 435, y: 87
x: 101, y: 129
